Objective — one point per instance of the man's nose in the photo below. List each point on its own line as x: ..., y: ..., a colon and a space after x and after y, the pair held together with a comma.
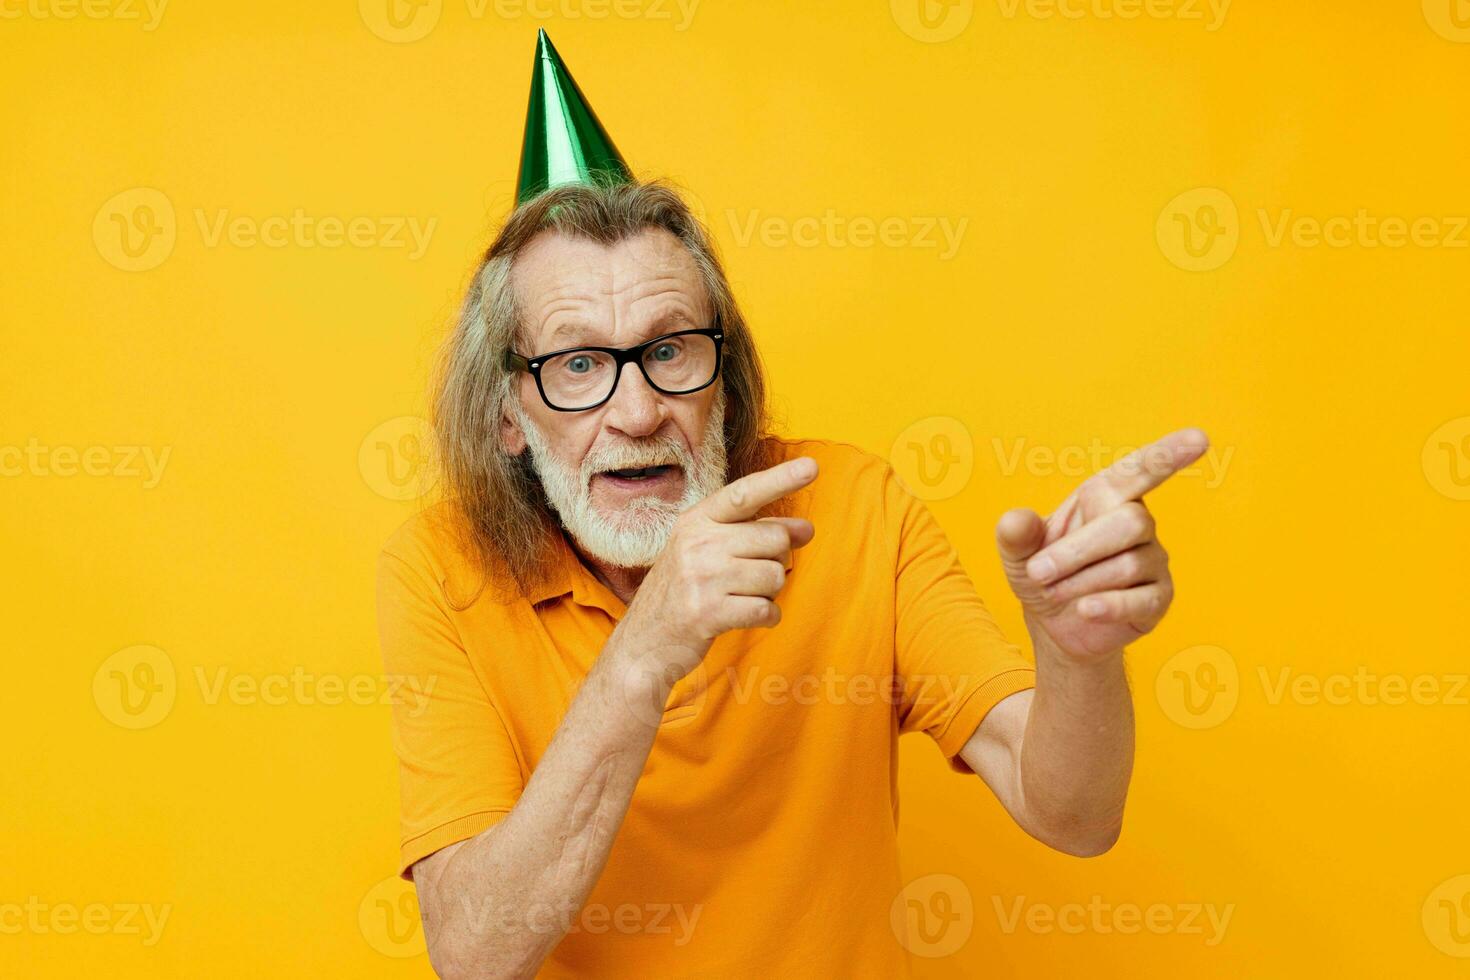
x: 636, y: 410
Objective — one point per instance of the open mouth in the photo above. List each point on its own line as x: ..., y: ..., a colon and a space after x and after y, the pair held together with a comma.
x: 639, y: 473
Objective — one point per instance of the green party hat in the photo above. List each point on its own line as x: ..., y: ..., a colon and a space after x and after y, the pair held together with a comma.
x: 565, y: 143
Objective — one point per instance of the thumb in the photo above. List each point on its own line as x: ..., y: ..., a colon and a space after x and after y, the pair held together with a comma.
x: 1019, y: 535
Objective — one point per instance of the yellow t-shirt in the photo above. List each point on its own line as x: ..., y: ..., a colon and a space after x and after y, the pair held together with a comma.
x: 761, y: 838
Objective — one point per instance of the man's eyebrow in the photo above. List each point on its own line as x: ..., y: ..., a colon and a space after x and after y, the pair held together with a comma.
x: 576, y: 334
x: 671, y: 320
x: 568, y: 335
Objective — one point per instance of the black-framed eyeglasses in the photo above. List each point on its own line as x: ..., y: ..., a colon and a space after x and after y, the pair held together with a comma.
x: 581, y: 378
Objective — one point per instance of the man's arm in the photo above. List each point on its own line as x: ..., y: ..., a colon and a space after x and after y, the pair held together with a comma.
x: 1059, y: 757
x: 495, y: 905
x: 1091, y: 578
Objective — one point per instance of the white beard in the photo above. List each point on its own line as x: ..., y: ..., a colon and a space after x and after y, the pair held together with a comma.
x: 634, y: 537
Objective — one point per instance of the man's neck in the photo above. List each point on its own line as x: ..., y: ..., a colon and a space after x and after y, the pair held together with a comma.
x: 622, y: 582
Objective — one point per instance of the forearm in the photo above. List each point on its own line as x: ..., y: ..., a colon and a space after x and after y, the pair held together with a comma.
x: 504, y: 899
x: 1077, y: 752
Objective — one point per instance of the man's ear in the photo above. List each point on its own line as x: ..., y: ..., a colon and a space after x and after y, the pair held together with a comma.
x: 512, y: 439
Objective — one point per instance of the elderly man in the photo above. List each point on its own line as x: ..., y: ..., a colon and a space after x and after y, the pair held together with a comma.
x: 673, y: 653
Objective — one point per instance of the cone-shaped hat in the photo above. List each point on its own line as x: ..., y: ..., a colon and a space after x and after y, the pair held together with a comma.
x: 565, y: 143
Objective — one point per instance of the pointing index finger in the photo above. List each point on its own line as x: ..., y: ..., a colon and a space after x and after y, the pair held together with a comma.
x: 1144, y: 469
x: 741, y: 500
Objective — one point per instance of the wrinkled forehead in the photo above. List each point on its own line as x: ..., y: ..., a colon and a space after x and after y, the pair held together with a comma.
x: 571, y: 290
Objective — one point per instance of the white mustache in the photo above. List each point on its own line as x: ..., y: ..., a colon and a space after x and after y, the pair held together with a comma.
x: 628, y: 456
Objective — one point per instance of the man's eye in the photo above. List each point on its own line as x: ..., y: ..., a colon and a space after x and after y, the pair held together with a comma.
x: 580, y: 364
x: 665, y: 352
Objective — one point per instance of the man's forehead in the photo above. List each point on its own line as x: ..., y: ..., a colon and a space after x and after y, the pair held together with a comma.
x: 554, y: 260
x: 568, y: 286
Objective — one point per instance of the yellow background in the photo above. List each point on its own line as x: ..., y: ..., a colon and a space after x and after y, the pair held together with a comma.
x: 1333, y: 541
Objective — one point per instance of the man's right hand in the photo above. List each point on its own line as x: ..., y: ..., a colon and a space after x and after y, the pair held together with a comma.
x: 720, y: 571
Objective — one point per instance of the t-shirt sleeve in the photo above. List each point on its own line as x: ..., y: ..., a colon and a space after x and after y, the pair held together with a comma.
x: 458, y: 772
x: 951, y: 657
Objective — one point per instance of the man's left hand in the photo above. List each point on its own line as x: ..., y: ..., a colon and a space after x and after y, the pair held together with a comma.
x: 1093, y: 575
